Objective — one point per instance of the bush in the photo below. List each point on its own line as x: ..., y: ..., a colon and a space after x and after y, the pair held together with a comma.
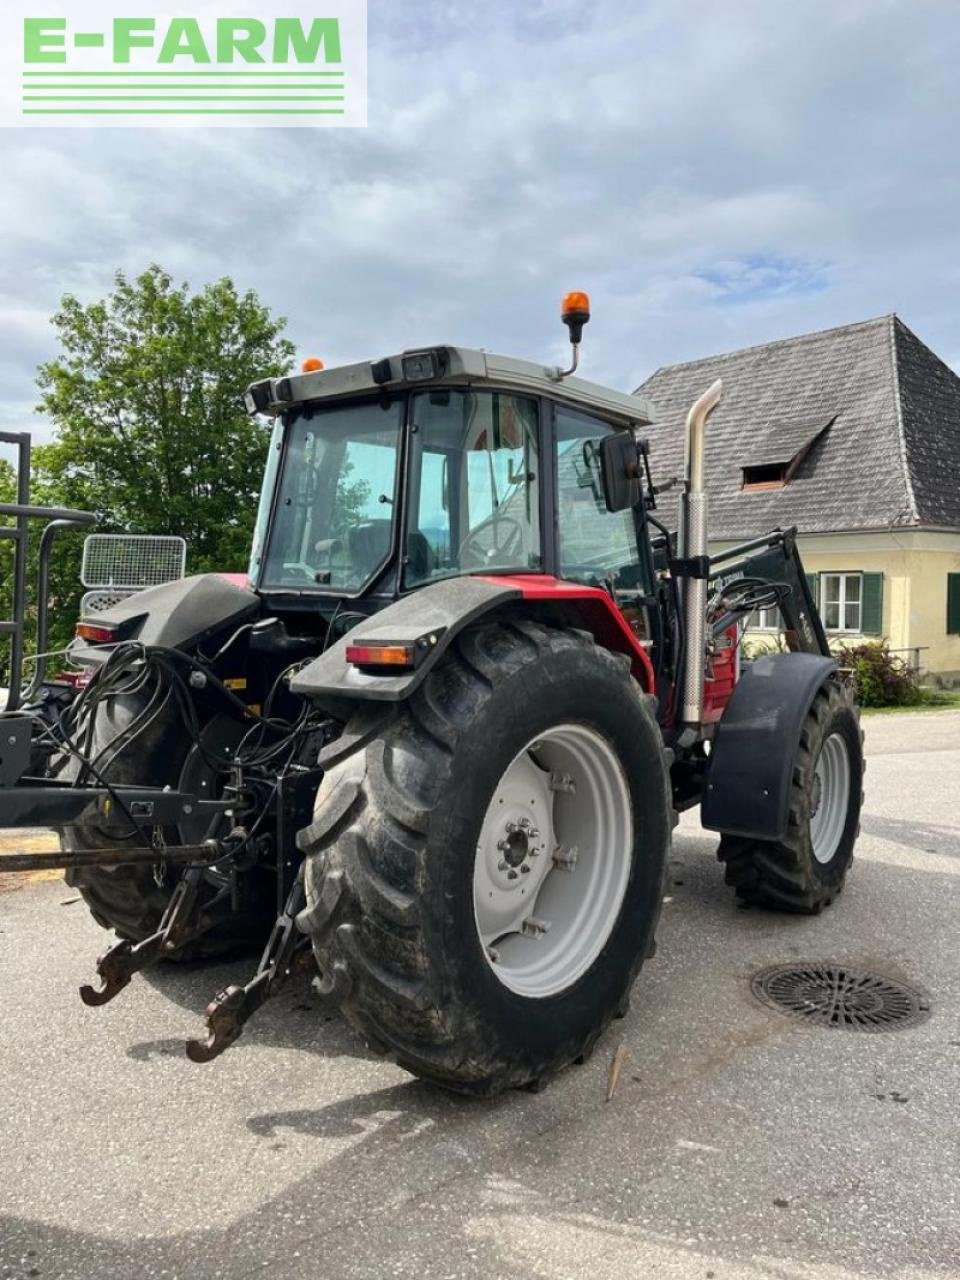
x: 883, y: 678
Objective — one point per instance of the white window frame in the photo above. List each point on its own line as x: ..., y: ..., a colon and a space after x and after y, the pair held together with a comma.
x: 843, y: 603
x: 769, y: 620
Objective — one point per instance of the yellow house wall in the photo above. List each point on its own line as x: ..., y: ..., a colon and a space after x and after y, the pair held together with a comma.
x: 914, y: 565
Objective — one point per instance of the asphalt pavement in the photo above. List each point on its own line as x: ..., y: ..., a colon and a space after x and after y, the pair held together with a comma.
x: 738, y: 1142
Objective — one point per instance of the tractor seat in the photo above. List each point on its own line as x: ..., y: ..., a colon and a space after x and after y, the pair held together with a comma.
x: 421, y: 561
x: 369, y: 545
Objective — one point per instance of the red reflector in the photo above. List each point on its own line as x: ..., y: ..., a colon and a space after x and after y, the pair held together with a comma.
x: 79, y: 679
x: 96, y: 632
x: 380, y: 655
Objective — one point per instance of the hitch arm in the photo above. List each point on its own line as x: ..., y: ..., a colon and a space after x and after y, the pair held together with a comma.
x: 179, y: 923
x: 233, y: 1007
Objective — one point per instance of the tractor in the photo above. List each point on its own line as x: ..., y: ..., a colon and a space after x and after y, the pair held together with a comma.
x: 432, y: 746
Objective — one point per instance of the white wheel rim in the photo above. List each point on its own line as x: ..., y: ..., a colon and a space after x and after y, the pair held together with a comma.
x: 831, y: 798
x: 553, y: 860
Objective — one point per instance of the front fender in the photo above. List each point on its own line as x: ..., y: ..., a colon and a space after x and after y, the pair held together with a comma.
x: 747, y: 786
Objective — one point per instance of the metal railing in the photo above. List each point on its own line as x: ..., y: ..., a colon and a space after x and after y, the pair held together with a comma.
x: 913, y: 662
x: 18, y: 533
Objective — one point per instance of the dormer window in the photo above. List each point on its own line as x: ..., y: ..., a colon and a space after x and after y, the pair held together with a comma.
x: 776, y: 453
x: 768, y: 475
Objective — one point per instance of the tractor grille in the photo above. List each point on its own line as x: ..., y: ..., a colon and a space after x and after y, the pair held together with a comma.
x: 835, y: 995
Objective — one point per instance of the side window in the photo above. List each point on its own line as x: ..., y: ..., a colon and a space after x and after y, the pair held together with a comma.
x: 433, y: 515
x: 595, y: 544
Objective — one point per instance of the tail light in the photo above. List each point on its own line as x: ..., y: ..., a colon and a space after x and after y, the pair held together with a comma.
x: 97, y: 632
x: 391, y: 655
x: 395, y: 656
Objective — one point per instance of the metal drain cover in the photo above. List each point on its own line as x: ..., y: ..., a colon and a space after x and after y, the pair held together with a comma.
x: 835, y: 995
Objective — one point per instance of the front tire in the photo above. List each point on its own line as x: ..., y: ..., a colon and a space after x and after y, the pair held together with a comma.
x: 405, y: 851
x: 805, y: 871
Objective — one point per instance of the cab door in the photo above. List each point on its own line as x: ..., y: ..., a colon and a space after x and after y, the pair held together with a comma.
x: 597, y: 547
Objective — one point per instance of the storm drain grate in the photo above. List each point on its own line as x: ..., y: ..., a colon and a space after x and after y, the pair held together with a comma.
x: 834, y: 995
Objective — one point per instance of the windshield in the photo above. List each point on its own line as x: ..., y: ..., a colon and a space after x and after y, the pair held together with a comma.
x: 474, y: 485
x: 334, y: 513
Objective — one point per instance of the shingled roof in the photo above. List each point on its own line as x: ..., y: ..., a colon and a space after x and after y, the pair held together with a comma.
x: 882, y: 412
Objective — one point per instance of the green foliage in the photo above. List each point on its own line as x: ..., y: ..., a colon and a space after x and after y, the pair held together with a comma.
x: 352, y: 497
x: 883, y: 678
x: 151, y: 432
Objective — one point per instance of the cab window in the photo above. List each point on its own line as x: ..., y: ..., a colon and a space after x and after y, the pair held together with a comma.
x: 597, y: 547
x: 474, y: 485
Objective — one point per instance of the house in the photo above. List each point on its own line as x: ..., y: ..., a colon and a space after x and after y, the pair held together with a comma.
x: 853, y: 435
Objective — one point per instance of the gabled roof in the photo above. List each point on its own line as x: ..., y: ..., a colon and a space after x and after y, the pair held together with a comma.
x: 891, y: 455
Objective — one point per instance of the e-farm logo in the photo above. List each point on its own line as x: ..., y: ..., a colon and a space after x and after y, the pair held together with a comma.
x: 94, y: 64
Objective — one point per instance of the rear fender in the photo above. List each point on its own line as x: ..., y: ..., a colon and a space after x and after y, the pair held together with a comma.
x: 176, y: 615
x: 440, y: 612
x: 747, y: 786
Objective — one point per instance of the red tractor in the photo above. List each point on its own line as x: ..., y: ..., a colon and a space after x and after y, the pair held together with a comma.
x: 438, y: 737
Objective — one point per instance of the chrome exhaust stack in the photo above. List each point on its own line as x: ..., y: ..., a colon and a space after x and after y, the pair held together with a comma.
x: 692, y: 544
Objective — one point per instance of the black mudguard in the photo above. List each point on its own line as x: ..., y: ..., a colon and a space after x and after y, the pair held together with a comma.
x: 747, y: 786
x: 440, y: 610
x: 177, y: 615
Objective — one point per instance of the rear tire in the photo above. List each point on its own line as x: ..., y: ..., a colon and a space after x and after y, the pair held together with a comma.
x: 805, y: 871
x: 397, y: 841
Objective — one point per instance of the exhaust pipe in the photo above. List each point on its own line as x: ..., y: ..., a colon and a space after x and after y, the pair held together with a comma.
x: 693, y: 543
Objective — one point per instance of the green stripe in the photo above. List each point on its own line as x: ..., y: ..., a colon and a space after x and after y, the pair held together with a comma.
x: 183, y: 97
x: 183, y: 73
x: 186, y: 111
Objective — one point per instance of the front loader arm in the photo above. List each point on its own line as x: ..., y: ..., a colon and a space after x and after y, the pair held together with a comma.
x: 776, y: 560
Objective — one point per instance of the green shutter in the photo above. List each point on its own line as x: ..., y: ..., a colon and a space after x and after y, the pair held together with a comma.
x: 953, y: 604
x: 872, y: 604
x: 812, y: 581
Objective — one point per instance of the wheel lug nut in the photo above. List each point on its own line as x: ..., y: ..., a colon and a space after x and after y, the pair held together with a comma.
x: 525, y: 869
x: 511, y: 874
x: 503, y: 864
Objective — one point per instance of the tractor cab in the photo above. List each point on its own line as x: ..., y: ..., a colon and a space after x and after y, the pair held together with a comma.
x: 386, y: 477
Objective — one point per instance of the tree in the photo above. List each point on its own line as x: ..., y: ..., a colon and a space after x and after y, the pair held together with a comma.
x: 151, y: 432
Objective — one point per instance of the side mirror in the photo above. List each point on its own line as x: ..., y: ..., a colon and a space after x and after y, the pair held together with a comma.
x: 620, y: 470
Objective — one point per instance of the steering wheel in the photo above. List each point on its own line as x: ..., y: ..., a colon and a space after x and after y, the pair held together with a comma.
x: 506, y: 538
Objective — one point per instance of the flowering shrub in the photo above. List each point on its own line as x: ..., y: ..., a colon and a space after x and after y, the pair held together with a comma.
x: 883, y: 678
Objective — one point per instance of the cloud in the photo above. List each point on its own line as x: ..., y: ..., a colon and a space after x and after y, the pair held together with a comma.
x: 714, y: 175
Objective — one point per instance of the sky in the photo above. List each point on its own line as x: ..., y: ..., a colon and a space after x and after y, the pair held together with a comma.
x: 714, y: 175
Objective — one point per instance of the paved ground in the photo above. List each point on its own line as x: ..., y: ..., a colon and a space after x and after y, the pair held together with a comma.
x: 738, y: 1144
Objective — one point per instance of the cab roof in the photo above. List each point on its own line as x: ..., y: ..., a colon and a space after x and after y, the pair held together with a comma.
x: 449, y: 367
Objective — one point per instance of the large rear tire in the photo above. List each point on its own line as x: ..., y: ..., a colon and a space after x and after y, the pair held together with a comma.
x: 526, y: 746
x: 805, y: 871
x: 131, y: 900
